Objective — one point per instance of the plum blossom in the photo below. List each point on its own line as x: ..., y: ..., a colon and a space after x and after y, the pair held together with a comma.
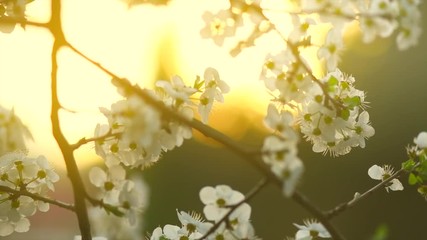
x: 218, y: 26
x: 110, y: 182
x: 374, y: 21
x: 334, y: 123
x: 193, y: 224
x: 214, y: 90
x: 217, y: 200
x: 131, y: 201
x: 421, y: 140
x: 26, y: 174
x: 383, y: 173
x: 331, y: 49
x: 311, y: 230
x: 12, y: 132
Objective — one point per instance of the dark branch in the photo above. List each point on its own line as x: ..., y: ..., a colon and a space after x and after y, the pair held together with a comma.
x: 344, y: 206
x: 67, y: 152
x: 37, y: 197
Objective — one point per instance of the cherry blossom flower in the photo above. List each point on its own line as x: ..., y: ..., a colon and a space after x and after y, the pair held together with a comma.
x: 373, y: 21
x: 339, y: 126
x: 281, y: 123
x: 311, y: 230
x: 331, y: 49
x: 383, y: 173
x: 214, y: 90
x: 110, y: 183
x: 421, y: 140
x: 193, y: 224
x: 217, y: 199
x: 22, y: 173
x: 218, y: 26
x: 12, y: 132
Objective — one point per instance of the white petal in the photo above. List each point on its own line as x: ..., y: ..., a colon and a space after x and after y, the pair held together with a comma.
x: 42, y: 206
x: 170, y: 231
x: 6, y: 228
x: 23, y: 225
x: 376, y: 172
x: 421, y: 140
x: 117, y: 172
x: 207, y: 195
x: 396, y: 185
x: 97, y: 176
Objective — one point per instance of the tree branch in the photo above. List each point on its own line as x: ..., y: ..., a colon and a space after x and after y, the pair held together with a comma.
x: 37, y: 197
x: 344, y: 206
x: 23, y: 22
x: 73, y: 172
x: 84, y: 141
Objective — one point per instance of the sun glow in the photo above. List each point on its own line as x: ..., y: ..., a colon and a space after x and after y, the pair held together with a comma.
x: 136, y: 43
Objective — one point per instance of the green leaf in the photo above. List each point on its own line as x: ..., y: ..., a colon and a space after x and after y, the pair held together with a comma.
x: 381, y: 233
x: 408, y: 165
x: 198, y: 83
x: 332, y: 83
x: 412, y: 179
x: 352, y: 102
x: 345, y: 114
x: 422, y: 170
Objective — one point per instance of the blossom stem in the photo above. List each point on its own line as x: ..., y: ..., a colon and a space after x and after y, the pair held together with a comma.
x: 37, y: 197
x: 84, y: 140
x: 256, y: 189
x: 344, y: 206
x: 23, y: 22
x: 55, y: 28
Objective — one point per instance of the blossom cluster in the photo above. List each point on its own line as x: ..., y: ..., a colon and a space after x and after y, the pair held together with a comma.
x: 12, y: 9
x: 376, y: 18
x: 137, y: 134
x: 111, y: 226
x: 218, y: 203
x: 280, y: 149
x: 12, y: 132
x: 329, y: 111
x: 23, y: 176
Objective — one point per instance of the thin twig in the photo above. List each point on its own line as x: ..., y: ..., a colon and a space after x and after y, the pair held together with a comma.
x: 84, y: 140
x: 37, y: 197
x: 263, y: 182
x: 344, y: 206
x: 67, y: 152
x: 23, y: 22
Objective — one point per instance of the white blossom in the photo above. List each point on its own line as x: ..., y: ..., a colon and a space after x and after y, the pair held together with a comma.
x: 311, y: 230
x: 421, y: 140
x: 217, y: 199
x: 12, y: 132
x: 22, y: 173
x: 218, y: 26
x: 383, y: 173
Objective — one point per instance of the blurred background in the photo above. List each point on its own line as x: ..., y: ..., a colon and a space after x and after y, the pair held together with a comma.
x: 145, y: 43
